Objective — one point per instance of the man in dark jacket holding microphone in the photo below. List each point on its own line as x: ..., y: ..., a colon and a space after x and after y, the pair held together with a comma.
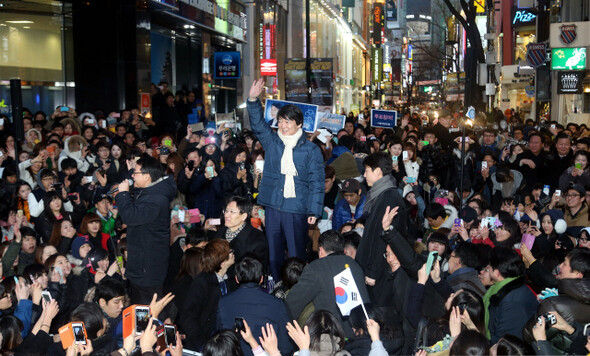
x: 147, y: 216
x: 292, y: 187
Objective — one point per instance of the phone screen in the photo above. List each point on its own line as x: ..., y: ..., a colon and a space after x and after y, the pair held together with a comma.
x: 142, y: 317
x: 170, y: 334
x: 79, y: 336
x: 46, y: 296
x: 431, y: 258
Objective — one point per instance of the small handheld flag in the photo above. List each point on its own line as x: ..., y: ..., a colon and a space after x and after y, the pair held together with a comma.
x: 346, y: 292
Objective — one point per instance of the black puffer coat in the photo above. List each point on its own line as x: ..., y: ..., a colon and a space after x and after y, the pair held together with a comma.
x: 573, y: 301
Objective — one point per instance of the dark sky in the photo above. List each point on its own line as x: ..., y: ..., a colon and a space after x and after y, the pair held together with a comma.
x: 417, y: 7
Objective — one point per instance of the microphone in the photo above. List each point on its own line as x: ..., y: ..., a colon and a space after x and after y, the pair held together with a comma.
x: 113, y: 191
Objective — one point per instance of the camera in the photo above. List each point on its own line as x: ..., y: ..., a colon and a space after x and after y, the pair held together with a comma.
x: 242, y: 165
x: 164, y: 150
x: 550, y: 319
x: 190, y: 165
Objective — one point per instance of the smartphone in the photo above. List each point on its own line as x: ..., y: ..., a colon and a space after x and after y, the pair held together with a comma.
x: 190, y: 165
x: 161, y: 338
x: 553, y: 126
x: 405, y: 155
x: 87, y: 179
x: 546, y: 189
x: 19, y: 213
x: 56, y: 186
x: 210, y: 171
x: 259, y: 165
x: 230, y: 125
x: 363, y: 138
x: 394, y: 159
x: 242, y: 165
x: 425, y: 143
x: 239, y: 324
x: 442, y: 201
x: 72, y: 196
x: 46, y: 296
x: 142, y: 318
x: 1, y: 122
x: 484, y: 164
x: 411, y: 179
x: 430, y: 261
x: 79, y: 333
x: 558, y: 192
x: 108, y: 161
x: 260, y: 213
x: 170, y: 332
x: 458, y: 222
x: 167, y: 142
x: 195, y: 216
x: 578, y: 166
x: 64, y: 109
x: 103, y: 124
x: 116, y: 115
x: 50, y: 149
x: 214, y: 222
x: 120, y: 262
x: 209, y: 140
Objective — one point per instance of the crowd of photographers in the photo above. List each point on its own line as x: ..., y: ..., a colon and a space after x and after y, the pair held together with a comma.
x: 475, y: 244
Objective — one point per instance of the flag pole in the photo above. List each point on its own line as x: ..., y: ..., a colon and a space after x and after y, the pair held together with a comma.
x: 361, y: 299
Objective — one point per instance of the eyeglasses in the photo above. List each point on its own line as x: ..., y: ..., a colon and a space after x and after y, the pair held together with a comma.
x: 573, y: 196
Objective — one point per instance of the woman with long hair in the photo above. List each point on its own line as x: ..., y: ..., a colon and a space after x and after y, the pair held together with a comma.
x: 61, y: 235
x: 53, y: 211
x: 23, y: 189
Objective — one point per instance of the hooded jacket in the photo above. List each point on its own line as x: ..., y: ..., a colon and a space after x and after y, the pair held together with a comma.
x: 73, y: 147
x: 147, y: 215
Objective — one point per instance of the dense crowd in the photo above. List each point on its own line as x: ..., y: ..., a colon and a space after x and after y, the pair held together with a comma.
x: 456, y: 244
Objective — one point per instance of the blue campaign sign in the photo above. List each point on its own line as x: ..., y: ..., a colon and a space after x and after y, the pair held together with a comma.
x: 226, y: 65
x: 332, y: 122
x: 310, y: 113
x: 383, y: 118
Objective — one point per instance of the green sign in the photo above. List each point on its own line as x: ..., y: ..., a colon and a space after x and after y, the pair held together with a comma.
x: 568, y: 58
x: 376, y: 65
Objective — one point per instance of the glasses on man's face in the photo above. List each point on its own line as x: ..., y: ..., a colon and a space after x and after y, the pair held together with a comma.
x: 573, y: 196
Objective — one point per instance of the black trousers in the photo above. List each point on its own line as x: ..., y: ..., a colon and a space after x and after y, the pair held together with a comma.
x: 144, y: 295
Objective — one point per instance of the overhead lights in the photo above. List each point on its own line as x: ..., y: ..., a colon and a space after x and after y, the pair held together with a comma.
x: 19, y: 21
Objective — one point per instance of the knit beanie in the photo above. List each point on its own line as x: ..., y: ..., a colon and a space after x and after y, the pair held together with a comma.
x: 77, y: 243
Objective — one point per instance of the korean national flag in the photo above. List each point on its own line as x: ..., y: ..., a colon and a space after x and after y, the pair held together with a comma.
x: 346, y: 292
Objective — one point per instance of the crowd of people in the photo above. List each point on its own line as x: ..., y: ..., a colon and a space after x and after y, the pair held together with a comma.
x: 474, y: 244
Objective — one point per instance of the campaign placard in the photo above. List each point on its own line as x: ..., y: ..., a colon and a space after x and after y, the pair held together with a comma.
x: 332, y: 122
x: 310, y: 113
x: 383, y: 118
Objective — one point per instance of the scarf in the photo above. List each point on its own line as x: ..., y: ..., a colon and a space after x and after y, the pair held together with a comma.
x: 384, y: 183
x: 493, y: 290
x: 287, y: 164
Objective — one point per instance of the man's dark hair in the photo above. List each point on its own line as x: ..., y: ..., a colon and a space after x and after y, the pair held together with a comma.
x: 379, y: 160
x: 291, y: 271
x: 468, y: 255
x: 244, y: 204
x: 535, y: 133
x: 580, y: 261
x: 223, y: 342
x: 188, y: 151
x: 562, y: 135
x: 121, y: 125
x: 434, y: 211
x: 329, y: 171
x: 68, y: 163
x: 46, y: 173
x: 291, y: 112
x: 151, y: 166
x: 351, y: 238
x: 507, y: 261
x: 91, y: 315
x: 428, y: 131
x: 27, y: 231
x: 584, y: 141
x: 248, y: 270
x: 331, y: 242
x: 347, y: 141
x: 195, y: 236
x: 108, y: 289
x: 489, y: 130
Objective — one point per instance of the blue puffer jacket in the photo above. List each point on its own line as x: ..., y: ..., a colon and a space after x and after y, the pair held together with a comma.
x: 309, y: 182
x: 342, y: 213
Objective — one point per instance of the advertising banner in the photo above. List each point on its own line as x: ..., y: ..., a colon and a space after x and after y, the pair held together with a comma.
x: 310, y: 113
x: 321, y: 81
x: 568, y: 58
x: 570, y: 82
x: 226, y: 65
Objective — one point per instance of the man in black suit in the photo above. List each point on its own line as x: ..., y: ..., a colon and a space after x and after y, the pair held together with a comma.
x: 316, y: 283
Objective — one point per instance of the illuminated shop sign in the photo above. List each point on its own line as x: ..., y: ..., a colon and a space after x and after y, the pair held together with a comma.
x: 568, y: 58
x: 523, y: 17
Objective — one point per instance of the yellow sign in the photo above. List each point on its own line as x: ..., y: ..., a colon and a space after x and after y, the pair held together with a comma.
x: 480, y: 6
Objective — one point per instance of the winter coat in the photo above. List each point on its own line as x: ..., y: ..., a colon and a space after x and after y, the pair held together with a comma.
x: 557, y: 166
x: 567, y: 178
x: 342, y: 213
x: 309, y: 181
x: 258, y: 308
x: 573, y: 301
x: 73, y: 147
x: 231, y: 185
x: 147, y: 216
x: 202, y: 193
x: 510, y: 309
x: 578, y: 219
x: 198, y: 317
x: 316, y: 285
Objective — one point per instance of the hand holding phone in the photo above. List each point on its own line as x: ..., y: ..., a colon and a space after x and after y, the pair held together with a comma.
x: 431, y: 258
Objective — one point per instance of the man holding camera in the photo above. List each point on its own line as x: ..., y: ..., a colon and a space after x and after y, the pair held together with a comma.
x: 147, y: 216
x: 292, y: 187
